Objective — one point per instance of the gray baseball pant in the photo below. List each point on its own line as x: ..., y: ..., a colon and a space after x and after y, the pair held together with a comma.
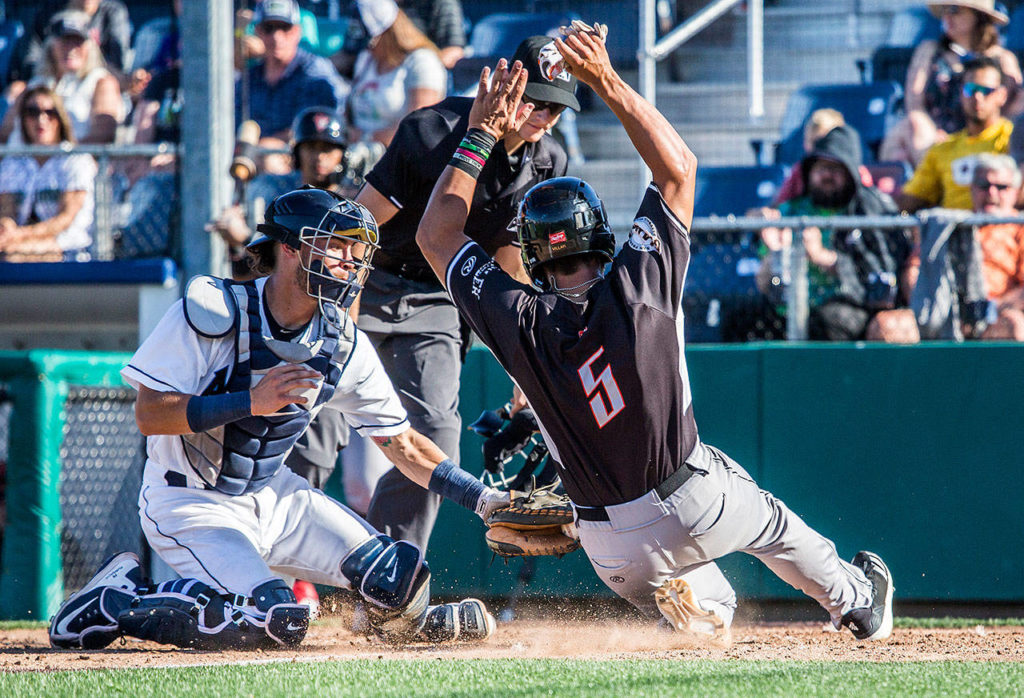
x: 717, y: 511
x: 415, y: 328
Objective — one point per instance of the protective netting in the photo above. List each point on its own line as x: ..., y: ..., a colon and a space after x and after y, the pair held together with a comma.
x: 101, y: 456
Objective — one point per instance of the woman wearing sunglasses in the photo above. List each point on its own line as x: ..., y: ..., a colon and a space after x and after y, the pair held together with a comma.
x: 46, y: 201
x: 935, y: 77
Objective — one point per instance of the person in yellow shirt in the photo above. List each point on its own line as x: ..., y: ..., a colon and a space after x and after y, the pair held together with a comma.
x: 944, y: 176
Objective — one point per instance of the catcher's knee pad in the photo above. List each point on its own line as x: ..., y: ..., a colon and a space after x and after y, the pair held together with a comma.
x: 89, y: 620
x: 394, y: 579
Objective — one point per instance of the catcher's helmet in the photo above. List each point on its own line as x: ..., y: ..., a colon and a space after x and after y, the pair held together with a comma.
x: 309, y: 220
x: 317, y: 124
x: 562, y: 217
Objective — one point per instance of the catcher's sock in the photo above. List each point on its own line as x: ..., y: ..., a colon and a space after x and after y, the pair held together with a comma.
x: 306, y: 594
x: 452, y: 482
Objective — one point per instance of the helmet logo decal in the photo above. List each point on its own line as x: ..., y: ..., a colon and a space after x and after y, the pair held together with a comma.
x: 468, y: 265
x: 320, y: 122
x: 556, y: 238
x: 644, y: 236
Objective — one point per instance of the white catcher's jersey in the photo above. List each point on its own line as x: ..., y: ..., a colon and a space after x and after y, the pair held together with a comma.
x: 175, y: 358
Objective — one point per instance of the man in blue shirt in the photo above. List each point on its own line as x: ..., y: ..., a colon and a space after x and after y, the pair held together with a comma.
x: 287, y: 80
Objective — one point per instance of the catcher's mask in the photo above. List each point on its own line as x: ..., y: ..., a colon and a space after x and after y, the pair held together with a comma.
x: 559, y: 218
x: 324, y: 227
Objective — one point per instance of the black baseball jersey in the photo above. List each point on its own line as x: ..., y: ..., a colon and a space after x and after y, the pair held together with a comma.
x: 422, y: 147
x: 606, y: 377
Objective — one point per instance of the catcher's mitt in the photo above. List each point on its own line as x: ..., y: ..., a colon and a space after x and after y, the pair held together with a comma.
x: 537, y: 522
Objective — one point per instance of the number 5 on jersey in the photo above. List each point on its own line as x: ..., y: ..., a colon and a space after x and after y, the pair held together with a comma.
x: 603, y: 413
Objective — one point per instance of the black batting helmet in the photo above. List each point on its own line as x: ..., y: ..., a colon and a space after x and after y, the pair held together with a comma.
x: 317, y: 124
x: 562, y: 217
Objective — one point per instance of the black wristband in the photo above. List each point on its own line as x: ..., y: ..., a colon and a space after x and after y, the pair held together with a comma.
x: 472, y: 153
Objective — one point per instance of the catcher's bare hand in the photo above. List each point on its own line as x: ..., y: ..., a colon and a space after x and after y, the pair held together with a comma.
x: 282, y: 386
x: 585, y: 54
x: 496, y: 107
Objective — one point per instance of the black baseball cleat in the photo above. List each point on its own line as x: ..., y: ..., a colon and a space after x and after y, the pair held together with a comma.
x: 88, y: 619
x: 872, y: 622
x: 466, y: 621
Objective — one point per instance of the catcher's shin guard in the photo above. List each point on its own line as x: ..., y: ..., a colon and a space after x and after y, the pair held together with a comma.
x: 188, y: 613
x: 394, y: 580
x: 679, y: 605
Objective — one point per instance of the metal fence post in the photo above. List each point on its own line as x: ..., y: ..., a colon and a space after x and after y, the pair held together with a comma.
x: 104, y: 195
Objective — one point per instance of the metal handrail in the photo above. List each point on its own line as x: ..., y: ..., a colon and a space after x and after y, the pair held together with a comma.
x: 795, y: 258
x: 103, y: 190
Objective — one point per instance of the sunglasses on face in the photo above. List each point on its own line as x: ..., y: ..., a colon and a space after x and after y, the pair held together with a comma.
x: 973, y: 88
x: 538, y: 105
x: 34, y: 112
x: 985, y: 186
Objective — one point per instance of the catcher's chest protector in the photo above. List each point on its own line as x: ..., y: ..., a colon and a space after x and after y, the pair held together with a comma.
x: 242, y: 456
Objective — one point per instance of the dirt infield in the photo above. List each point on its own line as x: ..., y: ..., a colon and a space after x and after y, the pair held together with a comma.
x: 28, y: 650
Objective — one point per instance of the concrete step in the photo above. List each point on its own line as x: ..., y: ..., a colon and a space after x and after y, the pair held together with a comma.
x: 782, y: 63
x: 722, y: 144
x: 718, y: 103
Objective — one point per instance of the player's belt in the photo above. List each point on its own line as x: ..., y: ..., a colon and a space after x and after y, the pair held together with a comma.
x: 405, y: 270
x: 672, y: 483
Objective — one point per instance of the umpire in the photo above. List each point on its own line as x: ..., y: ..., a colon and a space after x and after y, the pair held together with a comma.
x: 403, y: 308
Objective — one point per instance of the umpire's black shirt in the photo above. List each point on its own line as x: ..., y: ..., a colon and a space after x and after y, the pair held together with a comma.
x: 422, y: 147
x: 607, y: 378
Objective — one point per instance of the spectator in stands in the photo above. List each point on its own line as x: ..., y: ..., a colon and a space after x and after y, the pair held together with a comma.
x: 944, y: 176
x: 165, y: 64
x: 937, y: 74
x: 442, y: 22
x: 107, y: 22
x: 74, y: 68
x: 46, y: 202
x: 321, y: 159
x: 286, y: 81
x: 819, y: 123
x: 399, y: 72
x: 852, y: 276
x: 994, y: 190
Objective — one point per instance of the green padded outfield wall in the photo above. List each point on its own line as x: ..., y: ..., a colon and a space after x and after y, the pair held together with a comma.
x: 913, y: 452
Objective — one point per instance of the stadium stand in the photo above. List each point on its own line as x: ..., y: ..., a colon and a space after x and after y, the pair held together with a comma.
x: 11, y: 32
x: 869, y: 107
x: 147, y: 40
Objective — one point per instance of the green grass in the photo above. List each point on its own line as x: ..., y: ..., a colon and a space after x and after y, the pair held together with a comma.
x: 22, y: 624
x: 515, y: 678
x: 950, y: 622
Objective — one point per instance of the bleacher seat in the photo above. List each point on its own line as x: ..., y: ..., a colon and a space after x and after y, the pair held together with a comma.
x: 1013, y: 34
x: 909, y: 27
x: 497, y: 36
x: 722, y: 191
x: 720, y: 286
x: 870, y: 108
x: 332, y: 35
x: 11, y: 32
x: 147, y: 40
x: 153, y: 206
x: 912, y: 25
x: 889, y: 177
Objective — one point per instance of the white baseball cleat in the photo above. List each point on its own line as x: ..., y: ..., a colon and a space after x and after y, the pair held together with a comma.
x: 88, y: 619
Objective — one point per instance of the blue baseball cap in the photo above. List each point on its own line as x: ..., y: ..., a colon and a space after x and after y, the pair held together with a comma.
x: 286, y: 11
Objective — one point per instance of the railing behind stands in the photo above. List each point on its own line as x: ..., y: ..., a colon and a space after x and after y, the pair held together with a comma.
x: 113, y: 210
x: 740, y: 236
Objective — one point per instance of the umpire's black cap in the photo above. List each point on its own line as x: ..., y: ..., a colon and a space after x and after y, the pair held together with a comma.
x: 546, y: 82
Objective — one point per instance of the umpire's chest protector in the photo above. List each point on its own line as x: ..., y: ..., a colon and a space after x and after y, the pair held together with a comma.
x: 242, y: 456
